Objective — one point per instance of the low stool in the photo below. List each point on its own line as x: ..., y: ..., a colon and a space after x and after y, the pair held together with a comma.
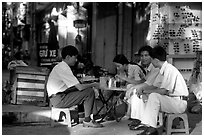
x: 169, y: 122
x: 57, y: 115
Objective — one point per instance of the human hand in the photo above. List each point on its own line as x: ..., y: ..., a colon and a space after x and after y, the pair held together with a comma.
x: 131, y: 94
x: 139, y: 92
x: 120, y: 76
x: 144, y: 98
x: 96, y: 84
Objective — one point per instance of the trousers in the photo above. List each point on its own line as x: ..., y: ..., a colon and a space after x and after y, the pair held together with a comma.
x: 157, y: 102
x: 69, y: 99
x: 137, y: 106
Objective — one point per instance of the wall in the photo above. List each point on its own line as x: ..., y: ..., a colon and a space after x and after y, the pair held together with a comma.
x: 114, y: 31
x: 178, y: 28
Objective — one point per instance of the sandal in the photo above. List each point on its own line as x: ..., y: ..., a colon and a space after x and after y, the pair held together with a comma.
x: 134, y: 123
x: 138, y: 127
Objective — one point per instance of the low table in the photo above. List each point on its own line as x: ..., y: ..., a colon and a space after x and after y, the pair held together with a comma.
x: 117, y: 92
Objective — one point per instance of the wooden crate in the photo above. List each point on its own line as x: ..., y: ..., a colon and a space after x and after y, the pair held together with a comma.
x: 30, y: 86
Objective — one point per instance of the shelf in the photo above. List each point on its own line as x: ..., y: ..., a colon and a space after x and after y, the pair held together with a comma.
x: 176, y: 38
x: 182, y: 56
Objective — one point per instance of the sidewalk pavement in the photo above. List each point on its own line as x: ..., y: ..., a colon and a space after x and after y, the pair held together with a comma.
x: 35, y: 120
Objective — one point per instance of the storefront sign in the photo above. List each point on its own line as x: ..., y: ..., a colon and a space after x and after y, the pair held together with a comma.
x: 46, y: 56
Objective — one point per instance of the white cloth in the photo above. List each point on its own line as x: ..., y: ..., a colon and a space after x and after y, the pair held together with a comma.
x: 163, y: 103
x: 173, y: 80
x: 138, y: 104
x: 135, y: 72
x: 15, y: 63
x: 150, y: 77
x: 60, y: 78
x: 175, y: 84
x: 137, y: 107
x: 152, y: 73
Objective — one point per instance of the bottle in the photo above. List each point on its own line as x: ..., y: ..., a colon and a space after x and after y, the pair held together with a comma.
x: 117, y: 82
x: 110, y: 83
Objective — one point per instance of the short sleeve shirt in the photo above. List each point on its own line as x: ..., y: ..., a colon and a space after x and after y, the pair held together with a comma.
x: 151, y: 77
x: 135, y: 72
x: 173, y: 81
x: 60, y: 78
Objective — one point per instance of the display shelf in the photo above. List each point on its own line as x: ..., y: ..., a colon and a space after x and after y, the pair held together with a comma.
x: 184, y: 63
x: 177, y: 27
x: 182, y: 56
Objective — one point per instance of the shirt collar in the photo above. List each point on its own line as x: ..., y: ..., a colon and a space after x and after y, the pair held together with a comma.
x: 163, y: 67
x: 139, y: 63
x: 150, y: 67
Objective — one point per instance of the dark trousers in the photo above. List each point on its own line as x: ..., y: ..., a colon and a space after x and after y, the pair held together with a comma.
x: 68, y: 99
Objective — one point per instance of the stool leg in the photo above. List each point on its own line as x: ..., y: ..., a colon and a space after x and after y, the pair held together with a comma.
x: 186, y: 126
x: 52, y: 118
x: 52, y: 123
x: 68, y: 119
x: 169, y: 125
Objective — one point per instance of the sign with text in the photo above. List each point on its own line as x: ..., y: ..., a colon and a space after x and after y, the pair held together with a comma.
x: 46, y: 56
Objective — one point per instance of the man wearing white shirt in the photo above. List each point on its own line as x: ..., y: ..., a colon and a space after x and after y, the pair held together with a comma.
x: 65, y: 90
x: 169, y: 97
x: 137, y: 104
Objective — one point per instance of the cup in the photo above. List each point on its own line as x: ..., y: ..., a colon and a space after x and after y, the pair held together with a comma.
x: 103, y: 81
x: 117, y: 83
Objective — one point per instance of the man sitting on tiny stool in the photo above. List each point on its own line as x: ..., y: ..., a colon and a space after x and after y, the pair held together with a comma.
x: 169, y: 97
x: 65, y: 90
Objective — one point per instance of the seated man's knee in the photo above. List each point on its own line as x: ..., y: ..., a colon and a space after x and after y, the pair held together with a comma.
x: 153, y: 95
x: 90, y: 91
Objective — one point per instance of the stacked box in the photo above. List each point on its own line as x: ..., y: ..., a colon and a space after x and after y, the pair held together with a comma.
x: 30, y: 86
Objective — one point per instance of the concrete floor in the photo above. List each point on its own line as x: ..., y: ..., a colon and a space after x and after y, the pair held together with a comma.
x: 110, y: 127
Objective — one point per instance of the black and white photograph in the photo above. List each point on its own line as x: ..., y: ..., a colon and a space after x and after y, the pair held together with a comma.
x: 101, y: 67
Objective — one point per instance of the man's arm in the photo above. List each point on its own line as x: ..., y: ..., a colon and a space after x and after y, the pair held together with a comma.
x: 147, y: 89
x: 85, y: 86
x: 131, y: 80
x: 161, y: 91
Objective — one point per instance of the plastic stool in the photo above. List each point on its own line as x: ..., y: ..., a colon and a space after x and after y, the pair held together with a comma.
x: 169, y: 123
x: 57, y: 115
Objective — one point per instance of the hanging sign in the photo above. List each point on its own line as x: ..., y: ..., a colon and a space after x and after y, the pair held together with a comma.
x: 79, y: 23
x: 46, y: 56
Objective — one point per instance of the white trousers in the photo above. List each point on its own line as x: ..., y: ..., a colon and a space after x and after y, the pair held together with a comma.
x: 148, y: 112
x: 163, y: 103
x: 137, y: 106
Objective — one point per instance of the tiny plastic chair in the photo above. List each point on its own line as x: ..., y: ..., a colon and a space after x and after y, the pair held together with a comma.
x: 57, y: 115
x: 169, y: 123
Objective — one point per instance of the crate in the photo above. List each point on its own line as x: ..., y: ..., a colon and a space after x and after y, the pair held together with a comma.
x: 30, y: 86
